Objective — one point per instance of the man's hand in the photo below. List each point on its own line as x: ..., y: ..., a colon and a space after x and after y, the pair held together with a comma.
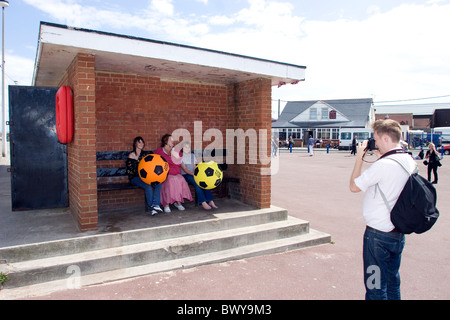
x: 360, y: 147
x: 358, y: 165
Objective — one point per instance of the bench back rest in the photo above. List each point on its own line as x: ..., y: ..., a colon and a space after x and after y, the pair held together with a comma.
x: 111, y: 164
x: 111, y: 167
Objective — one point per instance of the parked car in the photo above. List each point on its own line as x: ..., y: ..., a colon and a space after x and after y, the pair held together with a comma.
x: 446, y: 149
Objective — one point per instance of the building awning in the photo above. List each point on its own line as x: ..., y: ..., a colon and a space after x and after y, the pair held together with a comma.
x: 59, y: 44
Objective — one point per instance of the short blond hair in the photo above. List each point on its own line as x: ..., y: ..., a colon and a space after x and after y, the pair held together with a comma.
x: 390, y: 127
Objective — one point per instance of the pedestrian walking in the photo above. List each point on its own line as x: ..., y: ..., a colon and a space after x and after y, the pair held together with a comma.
x: 311, y: 146
x: 275, y: 146
x: 354, y: 143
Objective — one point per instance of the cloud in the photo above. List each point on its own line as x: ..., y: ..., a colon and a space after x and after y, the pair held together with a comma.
x: 268, y: 14
x: 77, y: 15
x: 162, y: 6
x: 263, y: 29
x: 400, y: 53
x: 18, y: 69
x: 159, y: 19
x: 221, y: 21
x: 373, y: 10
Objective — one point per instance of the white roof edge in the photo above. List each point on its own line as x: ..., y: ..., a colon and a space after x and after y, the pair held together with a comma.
x: 101, y: 41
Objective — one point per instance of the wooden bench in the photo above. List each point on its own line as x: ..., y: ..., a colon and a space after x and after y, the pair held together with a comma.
x: 110, y: 177
x: 112, y: 173
x: 107, y: 176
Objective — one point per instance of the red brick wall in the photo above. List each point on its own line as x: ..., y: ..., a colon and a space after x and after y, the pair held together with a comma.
x: 82, y: 173
x: 112, y: 109
x: 131, y: 105
x: 417, y: 122
x: 119, y: 199
x: 404, y: 119
x: 422, y: 123
x: 250, y: 108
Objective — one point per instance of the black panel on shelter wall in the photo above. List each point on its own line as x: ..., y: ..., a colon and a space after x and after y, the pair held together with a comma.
x: 38, y: 160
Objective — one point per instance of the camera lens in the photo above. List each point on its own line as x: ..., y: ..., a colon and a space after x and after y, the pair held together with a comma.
x: 371, y: 145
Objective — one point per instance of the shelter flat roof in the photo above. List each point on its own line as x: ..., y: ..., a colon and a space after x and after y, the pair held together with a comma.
x: 59, y: 44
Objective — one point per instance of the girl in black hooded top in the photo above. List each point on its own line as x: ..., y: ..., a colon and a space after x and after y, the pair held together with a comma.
x: 152, y: 193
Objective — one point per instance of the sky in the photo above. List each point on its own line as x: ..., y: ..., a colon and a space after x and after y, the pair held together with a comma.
x: 388, y: 50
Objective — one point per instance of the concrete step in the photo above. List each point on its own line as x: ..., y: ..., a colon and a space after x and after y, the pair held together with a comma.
x: 48, y: 269
x: 114, y: 256
x: 312, y: 238
x: 223, y: 221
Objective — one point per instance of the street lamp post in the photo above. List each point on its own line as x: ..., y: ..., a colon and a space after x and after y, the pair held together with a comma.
x: 3, y: 4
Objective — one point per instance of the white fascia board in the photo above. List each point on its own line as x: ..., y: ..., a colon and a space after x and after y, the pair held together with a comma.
x: 98, y: 42
x: 36, y: 63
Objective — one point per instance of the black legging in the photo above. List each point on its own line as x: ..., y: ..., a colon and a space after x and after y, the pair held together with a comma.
x: 434, y: 168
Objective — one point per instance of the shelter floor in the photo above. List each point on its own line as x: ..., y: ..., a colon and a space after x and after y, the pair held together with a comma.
x: 25, y: 227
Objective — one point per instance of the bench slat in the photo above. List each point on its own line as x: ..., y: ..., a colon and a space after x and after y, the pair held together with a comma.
x: 112, y: 155
x: 115, y: 186
x: 111, y: 172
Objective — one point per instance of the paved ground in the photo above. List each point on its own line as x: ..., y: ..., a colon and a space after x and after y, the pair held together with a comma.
x: 314, y: 189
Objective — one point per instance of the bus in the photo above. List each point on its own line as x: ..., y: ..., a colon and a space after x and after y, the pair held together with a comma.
x: 346, y: 136
x: 420, y: 138
x: 444, y: 132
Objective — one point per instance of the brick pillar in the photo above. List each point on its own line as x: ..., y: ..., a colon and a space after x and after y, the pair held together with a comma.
x: 81, y: 151
x: 251, y: 112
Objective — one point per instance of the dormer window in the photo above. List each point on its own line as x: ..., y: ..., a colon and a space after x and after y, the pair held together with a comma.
x: 333, y: 115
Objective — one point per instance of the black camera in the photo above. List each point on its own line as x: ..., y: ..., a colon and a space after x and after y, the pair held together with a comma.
x: 371, y: 145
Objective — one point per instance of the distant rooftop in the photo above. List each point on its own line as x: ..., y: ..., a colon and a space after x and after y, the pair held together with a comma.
x: 426, y: 109
x: 352, y: 113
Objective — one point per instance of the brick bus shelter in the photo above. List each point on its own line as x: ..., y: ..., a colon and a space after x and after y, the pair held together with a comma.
x: 125, y: 87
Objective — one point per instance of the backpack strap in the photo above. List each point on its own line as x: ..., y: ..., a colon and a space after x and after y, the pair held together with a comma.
x: 394, y: 151
x: 416, y: 170
x: 384, y: 198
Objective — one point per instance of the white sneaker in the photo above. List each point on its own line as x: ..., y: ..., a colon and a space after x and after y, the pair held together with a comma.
x: 179, y: 207
x: 157, y: 208
x: 167, y: 209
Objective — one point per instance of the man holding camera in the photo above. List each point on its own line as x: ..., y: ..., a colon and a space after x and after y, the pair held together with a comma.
x: 383, y: 245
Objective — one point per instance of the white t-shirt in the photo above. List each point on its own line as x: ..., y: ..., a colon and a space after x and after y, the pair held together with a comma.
x: 189, y: 160
x: 391, y: 178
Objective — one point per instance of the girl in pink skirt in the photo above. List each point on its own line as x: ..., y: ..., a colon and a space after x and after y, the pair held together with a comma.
x: 175, y: 189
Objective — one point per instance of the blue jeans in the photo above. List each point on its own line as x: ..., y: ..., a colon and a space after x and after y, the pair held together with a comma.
x: 202, y: 194
x: 152, y: 193
x: 382, y: 253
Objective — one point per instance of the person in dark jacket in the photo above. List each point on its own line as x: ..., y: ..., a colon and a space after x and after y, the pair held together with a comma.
x: 152, y: 193
x: 433, y: 162
x: 354, y: 144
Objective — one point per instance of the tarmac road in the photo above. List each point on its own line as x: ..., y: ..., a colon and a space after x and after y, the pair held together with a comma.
x: 314, y: 189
